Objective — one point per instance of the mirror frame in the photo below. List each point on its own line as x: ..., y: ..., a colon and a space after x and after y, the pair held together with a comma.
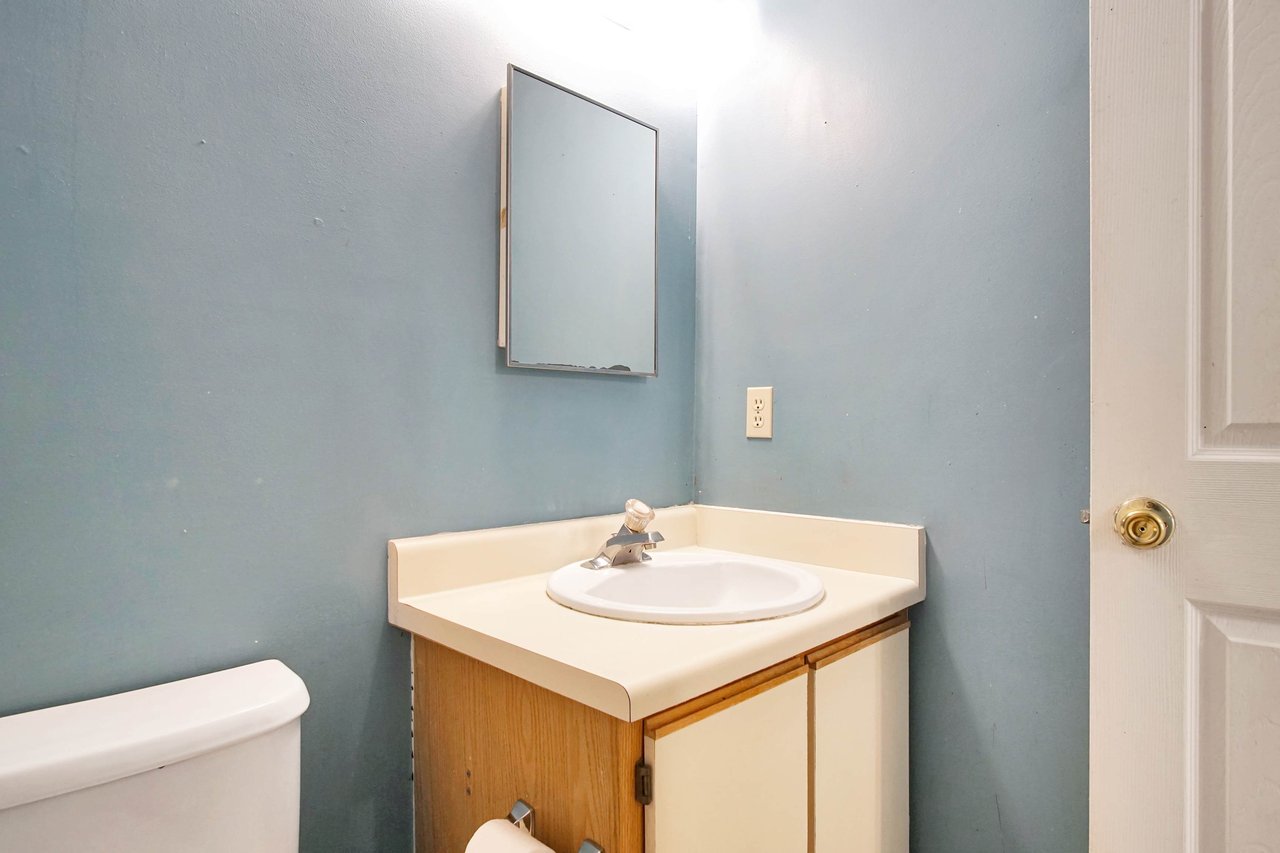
x: 504, y: 240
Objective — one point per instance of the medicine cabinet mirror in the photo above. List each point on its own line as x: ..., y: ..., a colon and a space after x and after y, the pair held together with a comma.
x: 578, y: 282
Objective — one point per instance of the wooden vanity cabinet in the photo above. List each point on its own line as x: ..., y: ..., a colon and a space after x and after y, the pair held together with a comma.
x: 808, y: 756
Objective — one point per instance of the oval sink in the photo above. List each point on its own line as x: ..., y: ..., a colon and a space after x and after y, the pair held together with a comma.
x: 673, y: 588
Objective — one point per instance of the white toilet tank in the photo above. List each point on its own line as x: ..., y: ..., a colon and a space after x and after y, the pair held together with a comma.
x: 205, y: 764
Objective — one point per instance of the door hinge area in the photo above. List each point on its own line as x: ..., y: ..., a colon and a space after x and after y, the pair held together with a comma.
x: 644, y: 783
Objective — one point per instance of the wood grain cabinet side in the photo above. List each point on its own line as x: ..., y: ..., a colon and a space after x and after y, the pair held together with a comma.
x: 484, y: 738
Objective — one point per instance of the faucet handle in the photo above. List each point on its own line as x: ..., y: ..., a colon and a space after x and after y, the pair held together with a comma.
x: 639, y: 514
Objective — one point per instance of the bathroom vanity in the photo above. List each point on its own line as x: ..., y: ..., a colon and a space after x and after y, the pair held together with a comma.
x: 785, y: 734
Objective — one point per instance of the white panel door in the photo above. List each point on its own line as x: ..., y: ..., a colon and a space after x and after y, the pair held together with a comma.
x: 860, y: 750
x: 1185, y: 226
x: 736, y: 780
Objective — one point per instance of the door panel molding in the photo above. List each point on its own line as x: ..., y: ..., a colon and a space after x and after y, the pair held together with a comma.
x: 1233, y: 727
x: 1234, y: 219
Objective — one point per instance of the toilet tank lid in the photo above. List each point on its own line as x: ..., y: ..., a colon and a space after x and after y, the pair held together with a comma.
x: 69, y: 747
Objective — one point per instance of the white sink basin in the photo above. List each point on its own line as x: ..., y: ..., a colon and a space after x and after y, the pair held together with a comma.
x: 689, y: 588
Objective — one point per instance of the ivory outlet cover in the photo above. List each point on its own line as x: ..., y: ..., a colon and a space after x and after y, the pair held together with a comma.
x: 760, y: 412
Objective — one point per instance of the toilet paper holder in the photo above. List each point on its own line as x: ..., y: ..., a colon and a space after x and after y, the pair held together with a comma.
x: 522, y: 815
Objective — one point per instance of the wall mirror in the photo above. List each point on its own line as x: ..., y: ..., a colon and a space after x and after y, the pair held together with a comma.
x: 578, y: 258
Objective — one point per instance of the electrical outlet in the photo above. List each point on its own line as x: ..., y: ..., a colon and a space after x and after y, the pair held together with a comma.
x: 760, y: 412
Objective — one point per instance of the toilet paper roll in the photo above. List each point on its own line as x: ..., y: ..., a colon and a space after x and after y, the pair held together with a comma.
x: 503, y: 836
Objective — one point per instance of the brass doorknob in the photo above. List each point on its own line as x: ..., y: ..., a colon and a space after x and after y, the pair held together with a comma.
x: 1144, y: 522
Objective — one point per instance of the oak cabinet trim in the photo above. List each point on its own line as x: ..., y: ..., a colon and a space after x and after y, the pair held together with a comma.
x: 713, y: 703
x: 845, y: 646
x: 700, y: 707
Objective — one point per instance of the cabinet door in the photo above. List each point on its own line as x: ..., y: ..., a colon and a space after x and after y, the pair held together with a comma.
x: 733, y: 776
x: 860, y: 777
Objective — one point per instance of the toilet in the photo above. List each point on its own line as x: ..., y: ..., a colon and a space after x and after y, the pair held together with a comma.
x: 205, y: 764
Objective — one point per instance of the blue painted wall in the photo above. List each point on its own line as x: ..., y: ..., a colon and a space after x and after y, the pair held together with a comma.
x: 893, y: 232
x: 247, y: 311
x: 246, y: 321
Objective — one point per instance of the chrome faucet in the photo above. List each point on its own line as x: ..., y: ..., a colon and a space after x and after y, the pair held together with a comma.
x: 629, y: 544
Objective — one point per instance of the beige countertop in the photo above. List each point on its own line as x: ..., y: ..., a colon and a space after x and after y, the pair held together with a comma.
x: 483, y: 593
